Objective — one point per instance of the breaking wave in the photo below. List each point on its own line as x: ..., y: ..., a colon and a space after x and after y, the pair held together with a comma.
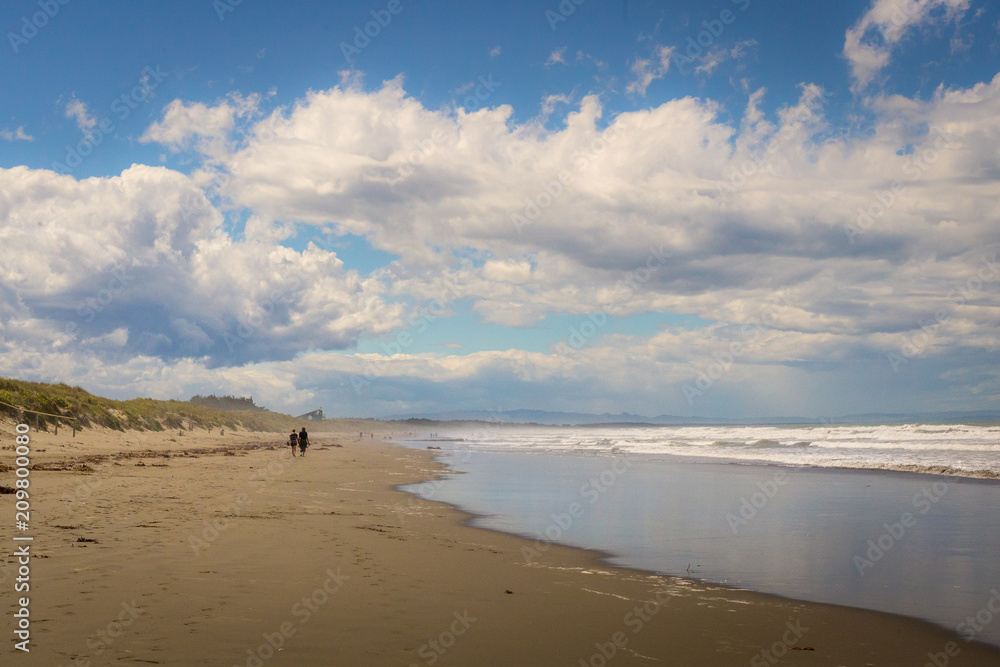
x: 953, y: 449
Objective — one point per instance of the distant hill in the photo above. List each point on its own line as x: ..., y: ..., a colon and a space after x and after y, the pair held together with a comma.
x: 571, y: 418
x: 952, y: 417
x: 526, y: 417
x: 547, y: 418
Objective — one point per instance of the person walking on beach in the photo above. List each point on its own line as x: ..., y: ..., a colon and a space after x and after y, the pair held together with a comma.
x: 293, y: 440
x: 303, y: 441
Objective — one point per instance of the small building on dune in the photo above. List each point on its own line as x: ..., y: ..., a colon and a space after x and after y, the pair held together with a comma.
x: 314, y: 416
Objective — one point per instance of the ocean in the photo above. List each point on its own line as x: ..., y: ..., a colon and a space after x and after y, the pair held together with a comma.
x: 972, y: 450
x: 834, y: 514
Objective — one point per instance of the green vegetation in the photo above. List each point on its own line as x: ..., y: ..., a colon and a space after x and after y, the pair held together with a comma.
x: 226, y: 402
x: 143, y: 414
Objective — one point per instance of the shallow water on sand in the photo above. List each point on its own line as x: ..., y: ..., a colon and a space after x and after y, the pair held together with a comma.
x: 917, y: 545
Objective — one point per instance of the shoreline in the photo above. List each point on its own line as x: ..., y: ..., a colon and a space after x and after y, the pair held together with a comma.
x: 484, y: 516
x: 601, y: 558
x: 393, y: 579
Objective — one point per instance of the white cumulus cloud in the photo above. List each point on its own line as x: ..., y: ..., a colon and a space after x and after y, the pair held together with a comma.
x: 869, y: 43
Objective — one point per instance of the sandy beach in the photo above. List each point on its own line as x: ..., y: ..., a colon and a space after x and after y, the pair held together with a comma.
x: 206, y: 549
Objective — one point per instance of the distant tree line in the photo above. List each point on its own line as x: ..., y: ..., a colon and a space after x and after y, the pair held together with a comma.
x: 226, y: 402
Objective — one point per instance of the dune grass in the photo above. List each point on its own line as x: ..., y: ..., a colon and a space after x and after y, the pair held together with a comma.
x: 79, y: 406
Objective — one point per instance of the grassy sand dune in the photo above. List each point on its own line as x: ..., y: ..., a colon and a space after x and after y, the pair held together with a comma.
x: 76, y: 405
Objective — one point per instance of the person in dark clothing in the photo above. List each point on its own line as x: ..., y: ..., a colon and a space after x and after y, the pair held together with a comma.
x: 293, y: 440
x: 303, y: 441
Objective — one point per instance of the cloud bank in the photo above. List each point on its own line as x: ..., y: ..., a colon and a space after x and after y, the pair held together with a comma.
x: 854, y: 258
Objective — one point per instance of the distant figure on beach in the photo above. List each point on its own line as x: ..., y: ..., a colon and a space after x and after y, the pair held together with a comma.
x: 303, y: 441
x: 293, y: 440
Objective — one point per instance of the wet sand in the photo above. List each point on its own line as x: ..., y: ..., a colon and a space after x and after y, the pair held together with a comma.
x: 815, y: 534
x: 242, y: 555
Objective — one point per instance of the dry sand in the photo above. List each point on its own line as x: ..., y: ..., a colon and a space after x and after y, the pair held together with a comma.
x: 196, y: 557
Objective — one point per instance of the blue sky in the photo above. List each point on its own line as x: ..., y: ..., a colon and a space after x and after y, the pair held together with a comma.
x: 730, y: 208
